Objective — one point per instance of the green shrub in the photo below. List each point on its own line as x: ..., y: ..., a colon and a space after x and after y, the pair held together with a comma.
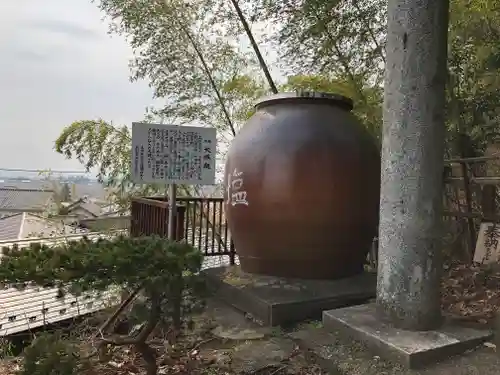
x: 166, y: 273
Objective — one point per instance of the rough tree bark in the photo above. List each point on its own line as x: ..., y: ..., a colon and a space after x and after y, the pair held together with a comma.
x: 410, y: 263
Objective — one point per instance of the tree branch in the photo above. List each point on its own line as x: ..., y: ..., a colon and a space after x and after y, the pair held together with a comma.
x: 345, y: 66
x: 118, y: 311
x: 154, y: 318
x: 370, y: 31
x: 255, y: 47
x: 208, y: 73
x: 210, y: 78
x: 147, y: 353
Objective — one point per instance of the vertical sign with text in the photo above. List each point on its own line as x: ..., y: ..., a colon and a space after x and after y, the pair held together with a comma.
x: 173, y: 154
x: 488, y: 244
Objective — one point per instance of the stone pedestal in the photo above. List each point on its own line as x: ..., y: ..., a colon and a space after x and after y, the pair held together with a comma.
x: 276, y: 301
x: 413, y: 349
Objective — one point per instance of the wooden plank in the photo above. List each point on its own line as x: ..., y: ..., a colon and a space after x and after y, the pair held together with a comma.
x: 475, y: 180
x: 468, y: 206
x: 472, y: 215
x: 488, y: 199
x: 478, y: 159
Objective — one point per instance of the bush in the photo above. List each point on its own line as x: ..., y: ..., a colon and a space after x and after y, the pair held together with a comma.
x: 166, y: 272
x: 49, y: 354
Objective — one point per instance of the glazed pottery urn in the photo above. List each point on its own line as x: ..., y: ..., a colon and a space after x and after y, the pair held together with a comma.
x: 302, y: 185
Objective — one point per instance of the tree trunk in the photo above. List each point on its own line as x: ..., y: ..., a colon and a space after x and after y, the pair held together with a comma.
x: 410, y: 254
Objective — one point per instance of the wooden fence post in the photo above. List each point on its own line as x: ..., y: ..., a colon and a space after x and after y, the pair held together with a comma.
x: 468, y: 204
x: 488, y: 201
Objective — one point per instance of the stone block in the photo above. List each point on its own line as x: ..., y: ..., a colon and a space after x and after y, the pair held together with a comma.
x: 276, y: 301
x: 409, y: 348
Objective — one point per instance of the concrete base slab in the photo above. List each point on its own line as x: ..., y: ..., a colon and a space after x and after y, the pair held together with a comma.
x: 339, y: 355
x: 273, y: 301
x: 411, y: 349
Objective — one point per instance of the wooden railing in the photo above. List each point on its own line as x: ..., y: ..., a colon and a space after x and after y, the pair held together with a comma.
x: 150, y: 216
x: 200, y: 222
x: 470, y: 197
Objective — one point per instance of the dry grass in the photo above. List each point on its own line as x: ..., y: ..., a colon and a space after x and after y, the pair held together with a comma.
x: 195, y: 353
x: 472, y: 292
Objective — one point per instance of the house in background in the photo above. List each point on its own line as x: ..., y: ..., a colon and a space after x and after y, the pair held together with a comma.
x: 83, y: 208
x: 26, y: 225
x: 15, y: 200
x: 106, y: 223
x: 95, y: 193
x: 27, y: 213
x: 89, y: 215
x: 79, y: 205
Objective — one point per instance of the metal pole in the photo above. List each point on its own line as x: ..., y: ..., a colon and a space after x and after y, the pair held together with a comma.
x: 172, y: 210
x: 410, y: 259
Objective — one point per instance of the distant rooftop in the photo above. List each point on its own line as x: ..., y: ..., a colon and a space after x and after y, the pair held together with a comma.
x: 92, y: 190
x: 10, y: 227
x: 85, y: 204
x: 26, y: 225
x: 12, y: 199
x: 26, y: 184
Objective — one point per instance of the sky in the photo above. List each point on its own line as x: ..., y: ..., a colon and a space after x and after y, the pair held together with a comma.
x: 58, y: 64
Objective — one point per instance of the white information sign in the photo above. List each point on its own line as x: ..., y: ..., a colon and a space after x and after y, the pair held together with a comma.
x: 173, y: 154
x: 488, y: 244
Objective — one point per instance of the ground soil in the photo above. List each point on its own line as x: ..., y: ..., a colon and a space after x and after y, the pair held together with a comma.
x: 472, y: 293
x: 226, y: 342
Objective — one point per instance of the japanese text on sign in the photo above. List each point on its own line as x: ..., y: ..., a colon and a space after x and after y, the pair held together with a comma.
x: 173, y: 154
x: 488, y: 241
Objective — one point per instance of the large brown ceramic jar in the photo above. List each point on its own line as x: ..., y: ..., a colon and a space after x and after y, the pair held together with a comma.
x: 302, y: 188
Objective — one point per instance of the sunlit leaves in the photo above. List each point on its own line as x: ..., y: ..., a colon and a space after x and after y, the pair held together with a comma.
x: 345, y: 39
x: 102, y: 146
x: 318, y: 36
x: 474, y: 70
x: 165, y: 36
